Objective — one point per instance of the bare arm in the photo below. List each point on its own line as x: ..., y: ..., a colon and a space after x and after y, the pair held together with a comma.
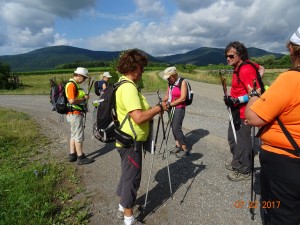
x: 77, y: 101
x: 261, y: 70
x: 140, y: 116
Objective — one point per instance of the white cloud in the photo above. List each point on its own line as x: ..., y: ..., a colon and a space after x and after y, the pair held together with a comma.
x: 30, y: 23
x: 210, y: 23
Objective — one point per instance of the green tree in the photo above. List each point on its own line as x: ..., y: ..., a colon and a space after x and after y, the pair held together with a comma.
x: 4, y: 76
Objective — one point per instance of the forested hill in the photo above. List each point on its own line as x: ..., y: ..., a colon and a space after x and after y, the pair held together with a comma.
x: 50, y: 57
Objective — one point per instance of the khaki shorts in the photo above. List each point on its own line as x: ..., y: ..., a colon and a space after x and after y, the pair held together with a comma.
x: 77, y: 130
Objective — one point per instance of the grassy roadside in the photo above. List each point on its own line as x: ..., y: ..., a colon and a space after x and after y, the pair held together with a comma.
x: 33, y: 189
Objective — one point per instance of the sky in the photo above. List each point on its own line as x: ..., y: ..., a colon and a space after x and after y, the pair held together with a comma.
x: 158, y: 27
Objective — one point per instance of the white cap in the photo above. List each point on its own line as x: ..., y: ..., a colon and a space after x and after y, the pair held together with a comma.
x: 106, y: 74
x: 82, y: 71
x: 295, y: 39
x: 169, y: 72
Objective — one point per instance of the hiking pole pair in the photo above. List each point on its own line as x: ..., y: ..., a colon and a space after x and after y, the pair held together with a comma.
x: 171, y: 115
x: 165, y: 140
x: 223, y: 83
x: 153, y: 148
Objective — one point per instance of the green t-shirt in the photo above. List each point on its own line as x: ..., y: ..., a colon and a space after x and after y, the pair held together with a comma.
x: 129, y: 99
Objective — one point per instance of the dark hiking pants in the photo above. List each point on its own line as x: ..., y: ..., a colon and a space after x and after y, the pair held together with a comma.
x: 177, y: 120
x: 241, y: 152
x: 131, y: 166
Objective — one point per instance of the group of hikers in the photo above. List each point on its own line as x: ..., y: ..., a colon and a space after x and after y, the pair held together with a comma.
x: 275, y: 111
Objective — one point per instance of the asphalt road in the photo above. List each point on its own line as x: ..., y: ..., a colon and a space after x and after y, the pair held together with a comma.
x: 202, y: 194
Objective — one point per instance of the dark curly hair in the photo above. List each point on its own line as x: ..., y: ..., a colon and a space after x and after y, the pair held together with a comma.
x: 130, y: 60
x: 240, y: 48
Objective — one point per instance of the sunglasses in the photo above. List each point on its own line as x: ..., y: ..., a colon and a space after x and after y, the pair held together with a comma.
x: 230, y: 56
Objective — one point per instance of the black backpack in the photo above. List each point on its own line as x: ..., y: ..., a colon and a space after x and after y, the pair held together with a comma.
x: 107, y: 127
x: 190, y: 93
x: 59, y: 99
x: 258, y: 77
x: 96, y: 87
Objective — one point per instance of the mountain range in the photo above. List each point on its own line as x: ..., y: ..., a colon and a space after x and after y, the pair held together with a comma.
x: 49, y: 57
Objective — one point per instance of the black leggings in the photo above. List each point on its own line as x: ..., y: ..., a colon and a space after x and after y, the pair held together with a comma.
x: 177, y: 120
x: 280, y: 188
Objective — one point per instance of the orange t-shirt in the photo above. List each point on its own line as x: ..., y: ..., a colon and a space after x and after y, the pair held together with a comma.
x: 72, y: 93
x: 281, y: 100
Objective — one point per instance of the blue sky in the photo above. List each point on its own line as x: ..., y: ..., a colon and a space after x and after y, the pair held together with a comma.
x: 159, y: 27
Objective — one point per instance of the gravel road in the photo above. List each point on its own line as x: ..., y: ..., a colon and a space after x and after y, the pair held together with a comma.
x: 202, y: 194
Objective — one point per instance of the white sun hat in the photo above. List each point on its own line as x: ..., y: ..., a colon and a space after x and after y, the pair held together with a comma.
x: 106, y: 74
x: 169, y: 72
x: 295, y: 39
x: 82, y: 71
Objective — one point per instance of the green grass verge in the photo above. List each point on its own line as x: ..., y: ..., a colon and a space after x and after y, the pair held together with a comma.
x: 34, y: 190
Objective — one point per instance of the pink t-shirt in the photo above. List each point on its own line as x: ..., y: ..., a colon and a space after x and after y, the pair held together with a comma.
x: 175, y: 93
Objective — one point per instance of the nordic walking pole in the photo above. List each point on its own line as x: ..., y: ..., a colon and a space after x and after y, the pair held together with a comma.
x: 252, y: 198
x: 164, y: 138
x: 223, y: 82
x: 153, y: 148
x: 169, y: 122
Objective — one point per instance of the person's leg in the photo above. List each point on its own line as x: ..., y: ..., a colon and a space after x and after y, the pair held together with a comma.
x: 72, y: 151
x: 242, y: 152
x: 280, y: 185
x: 177, y: 131
x: 77, y: 133
x: 131, y: 164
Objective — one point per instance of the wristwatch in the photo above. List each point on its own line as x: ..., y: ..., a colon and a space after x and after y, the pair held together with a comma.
x: 253, y: 93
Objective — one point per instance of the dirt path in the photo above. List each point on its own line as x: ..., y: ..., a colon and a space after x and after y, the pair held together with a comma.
x: 201, y: 192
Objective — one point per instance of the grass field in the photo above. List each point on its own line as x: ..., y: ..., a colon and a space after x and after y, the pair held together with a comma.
x: 151, y: 80
x: 33, y: 189
x: 40, y: 84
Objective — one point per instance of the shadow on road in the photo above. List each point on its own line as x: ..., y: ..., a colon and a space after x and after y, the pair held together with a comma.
x: 183, y: 171
x: 102, y: 151
x: 194, y: 136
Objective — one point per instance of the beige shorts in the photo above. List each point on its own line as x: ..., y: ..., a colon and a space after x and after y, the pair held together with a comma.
x: 77, y: 129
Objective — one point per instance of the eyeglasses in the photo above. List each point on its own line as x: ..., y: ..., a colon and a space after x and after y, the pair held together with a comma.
x: 230, y: 56
x: 84, y: 78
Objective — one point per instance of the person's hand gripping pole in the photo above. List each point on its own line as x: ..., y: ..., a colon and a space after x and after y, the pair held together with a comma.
x: 223, y: 83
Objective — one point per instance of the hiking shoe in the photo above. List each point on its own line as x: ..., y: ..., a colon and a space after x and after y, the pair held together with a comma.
x: 84, y: 160
x: 175, y: 150
x: 236, y: 176
x: 181, y: 154
x: 228, y: 166
x: 136, y: 211
x: 73, y: 157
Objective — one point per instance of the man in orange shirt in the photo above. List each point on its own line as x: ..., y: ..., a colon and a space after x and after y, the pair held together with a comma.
x: 77, y: 101
x: 280, y: 163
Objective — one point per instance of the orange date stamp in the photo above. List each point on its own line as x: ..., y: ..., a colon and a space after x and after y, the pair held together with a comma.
x: 239, y: 204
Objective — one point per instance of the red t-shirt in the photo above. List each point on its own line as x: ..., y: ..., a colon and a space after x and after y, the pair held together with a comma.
x: 239, y: 87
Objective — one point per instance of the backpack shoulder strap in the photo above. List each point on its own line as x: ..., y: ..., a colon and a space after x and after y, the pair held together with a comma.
x: 290, y: 138
x: 258, y: 77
